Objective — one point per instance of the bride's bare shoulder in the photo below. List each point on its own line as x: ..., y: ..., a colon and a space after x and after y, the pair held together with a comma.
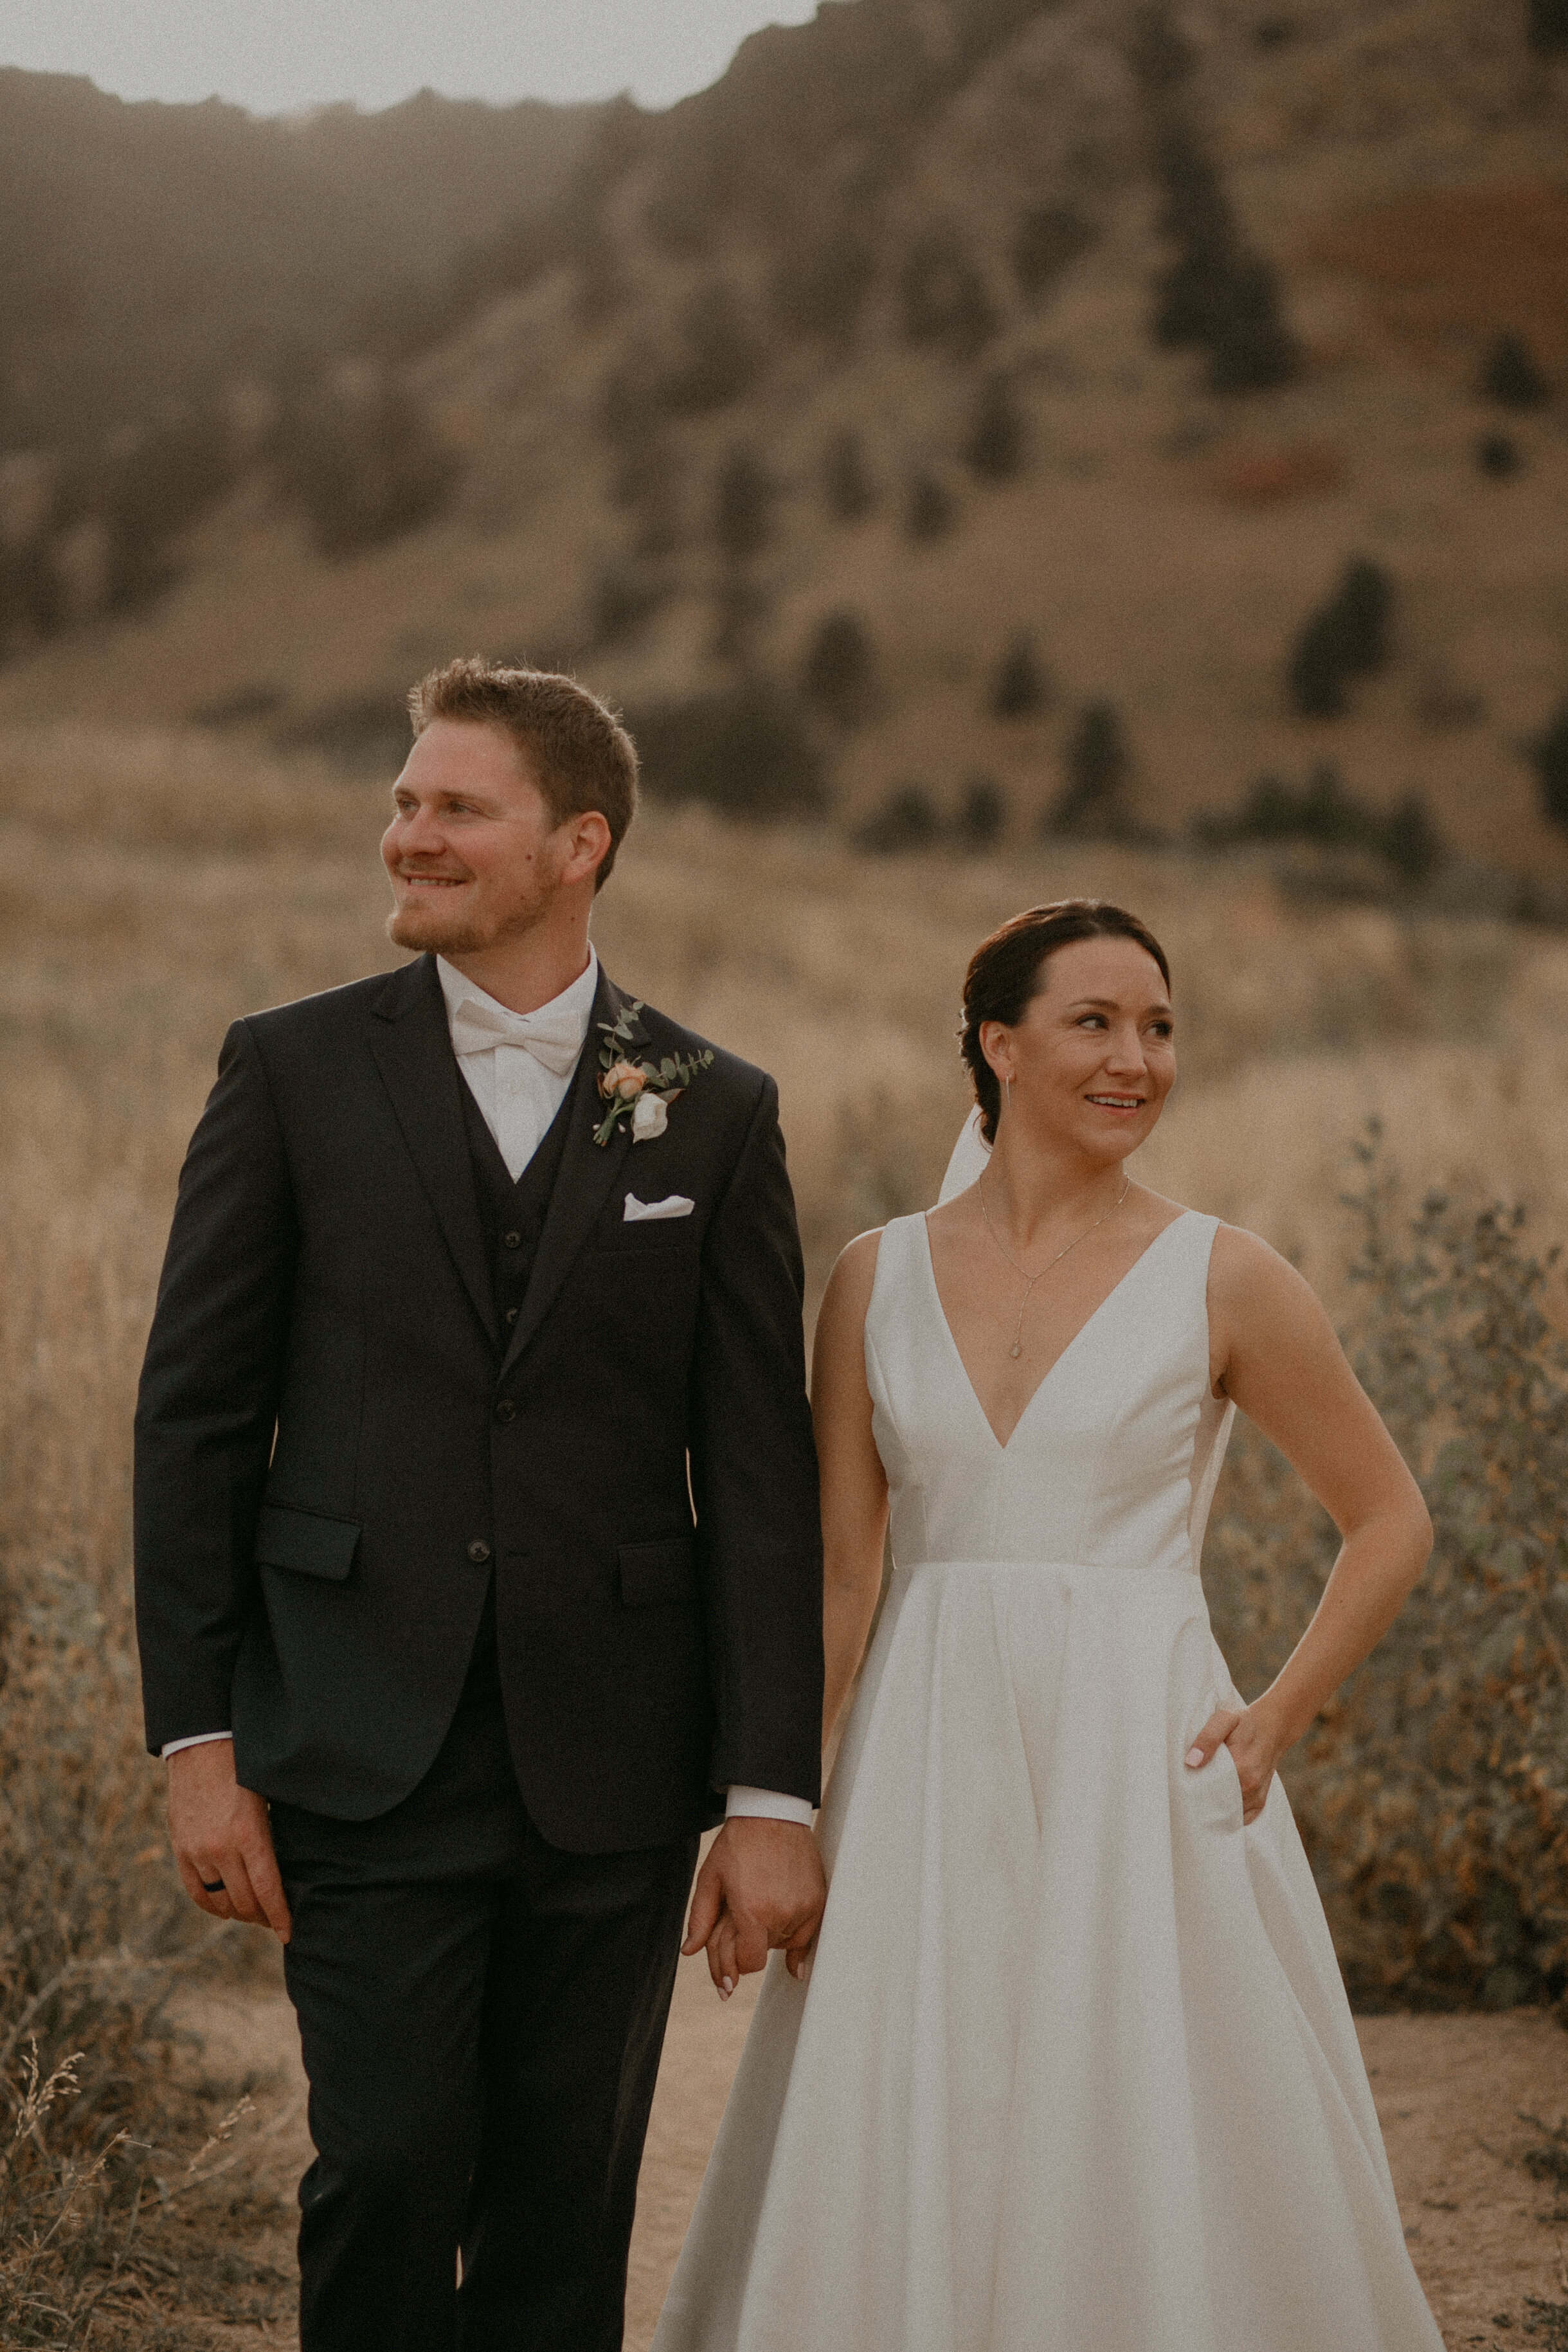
x: 853, y: 1275
x: 1246, y: 1271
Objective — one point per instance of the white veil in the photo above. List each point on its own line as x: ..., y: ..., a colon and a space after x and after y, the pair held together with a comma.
x: 970, y: 1154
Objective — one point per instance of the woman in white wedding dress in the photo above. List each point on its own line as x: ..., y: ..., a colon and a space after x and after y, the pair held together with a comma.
x: 1074, y: 2070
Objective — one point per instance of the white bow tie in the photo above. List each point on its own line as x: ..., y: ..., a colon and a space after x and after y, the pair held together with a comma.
x: 554, y: 1039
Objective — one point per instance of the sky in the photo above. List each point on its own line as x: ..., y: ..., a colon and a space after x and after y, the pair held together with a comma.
x: 278, y: 56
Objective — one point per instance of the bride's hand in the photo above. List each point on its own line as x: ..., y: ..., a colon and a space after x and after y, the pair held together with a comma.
x: 1254, y: 1750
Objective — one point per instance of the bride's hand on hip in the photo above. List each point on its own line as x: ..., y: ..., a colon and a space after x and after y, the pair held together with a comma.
x: 1254, y: 1751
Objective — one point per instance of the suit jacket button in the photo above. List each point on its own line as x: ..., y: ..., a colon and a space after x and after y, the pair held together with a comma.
x: 479, y: 1551
x: 506, y: 1410
x: 513, y: 1241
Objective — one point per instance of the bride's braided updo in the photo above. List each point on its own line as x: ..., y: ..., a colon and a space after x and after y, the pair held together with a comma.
x: 1005, y: 972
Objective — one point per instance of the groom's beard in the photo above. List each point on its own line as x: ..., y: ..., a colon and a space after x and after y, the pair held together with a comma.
x: 427, y: 920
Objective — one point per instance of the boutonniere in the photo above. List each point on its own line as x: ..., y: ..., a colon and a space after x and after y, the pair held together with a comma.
x: 640, y: 1091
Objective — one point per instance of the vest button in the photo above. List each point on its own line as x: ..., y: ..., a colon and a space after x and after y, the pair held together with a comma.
x: 479, y: 1551
x: 512, y: 1314
x: 513, y: 1241
x: 506, y: 1410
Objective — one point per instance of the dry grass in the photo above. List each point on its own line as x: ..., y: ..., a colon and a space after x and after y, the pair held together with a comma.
x: 158, y: 885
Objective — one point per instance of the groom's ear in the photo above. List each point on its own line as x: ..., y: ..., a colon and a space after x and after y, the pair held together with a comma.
x: 587, y: 841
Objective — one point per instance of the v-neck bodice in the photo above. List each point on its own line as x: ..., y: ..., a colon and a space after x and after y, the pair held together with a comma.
x: 1114, y: 1460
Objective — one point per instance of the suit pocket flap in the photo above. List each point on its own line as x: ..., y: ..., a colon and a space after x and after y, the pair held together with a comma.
x: 658, y: 1574
x: 303, y: 1541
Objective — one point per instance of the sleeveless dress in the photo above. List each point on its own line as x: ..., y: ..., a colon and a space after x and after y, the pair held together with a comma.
x: 1074, y: 2070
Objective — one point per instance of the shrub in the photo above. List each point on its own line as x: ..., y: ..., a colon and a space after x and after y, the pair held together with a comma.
x: 647, y: 483
x: 622, y: 598
x: 995, y: 449
x: 944, y: 298
x: 982, y: 814
x: 1510, y: 377
x: 1411, y: 841
x: 840, y: 672
x: 746, y: 750
x: 822, y: 292
x: 1347, y: 637
x: 720, y: 355
x: 1433, y: 1792
x: 928, y: 512
x: 1497, y: 455
x: 847, y: 484
x: 1092, y: 803
x: 1047, y: 242
x: 1322, y: 813
x: 364, y: 463
x: 32, y: 602
x: 906, y: 820
x: 1547, y: 27
x: 1021, y: 688
x: 1547, y: 755
x: 743, y: 506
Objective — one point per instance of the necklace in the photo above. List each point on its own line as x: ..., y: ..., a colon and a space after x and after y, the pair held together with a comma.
x: 1030, y: 1280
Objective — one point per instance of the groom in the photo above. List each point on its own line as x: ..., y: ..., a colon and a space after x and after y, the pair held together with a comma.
x: 478, y: 1564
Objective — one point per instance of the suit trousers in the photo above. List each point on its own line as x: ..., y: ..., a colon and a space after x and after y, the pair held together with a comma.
x: 481, y: 2016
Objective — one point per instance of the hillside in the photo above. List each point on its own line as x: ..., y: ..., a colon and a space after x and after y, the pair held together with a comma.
x: 950, y: 368
x: 156, y: 255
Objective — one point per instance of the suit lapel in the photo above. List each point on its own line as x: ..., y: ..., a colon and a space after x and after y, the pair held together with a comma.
x: 413, y: 1049
x: 587, y: 1175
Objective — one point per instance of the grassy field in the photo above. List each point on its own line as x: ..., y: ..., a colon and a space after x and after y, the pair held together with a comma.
x: 157, y: 886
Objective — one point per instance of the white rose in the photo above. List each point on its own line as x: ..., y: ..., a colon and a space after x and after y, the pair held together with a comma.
x: 649, y: 1116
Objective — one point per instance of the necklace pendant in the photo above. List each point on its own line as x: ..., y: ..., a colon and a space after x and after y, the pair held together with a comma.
x: 1016, y: 1350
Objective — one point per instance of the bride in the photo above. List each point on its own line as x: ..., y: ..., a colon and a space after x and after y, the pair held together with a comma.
x: 1074, y: 2070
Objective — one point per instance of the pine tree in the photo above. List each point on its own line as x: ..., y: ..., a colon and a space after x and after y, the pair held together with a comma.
x: 982, y: 814
x: 1511, y: 375
x: 1547, y: 28
x: 846, y: 479
x: 1346, y: 639
x: 928, y: 514
x: 1021, y: 688
x: 1091, y: 804
x: 1216, y: 294
x: 840, y: 671
x: 1549, y: 756
x: 743, y: 507
x: 995, y: 446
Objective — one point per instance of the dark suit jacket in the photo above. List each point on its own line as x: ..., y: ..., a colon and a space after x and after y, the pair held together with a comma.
x: 337, y: 1445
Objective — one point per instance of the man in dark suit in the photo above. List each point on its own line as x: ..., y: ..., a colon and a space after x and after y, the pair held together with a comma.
x: 478, y: 1563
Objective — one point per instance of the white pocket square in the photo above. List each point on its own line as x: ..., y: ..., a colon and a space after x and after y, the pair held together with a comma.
x: 635, y: 1211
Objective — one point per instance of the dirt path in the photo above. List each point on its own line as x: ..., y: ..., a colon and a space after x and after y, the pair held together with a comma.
x: 1451, y: 2091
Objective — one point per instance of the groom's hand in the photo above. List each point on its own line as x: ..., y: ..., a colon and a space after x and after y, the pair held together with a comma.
x: 220, y: 1831
x: 761, y: 1889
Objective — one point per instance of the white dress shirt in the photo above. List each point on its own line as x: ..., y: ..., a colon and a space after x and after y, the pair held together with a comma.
x: 519, y: 1095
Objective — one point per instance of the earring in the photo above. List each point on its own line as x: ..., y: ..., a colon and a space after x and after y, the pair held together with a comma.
x: 1007, y: 1094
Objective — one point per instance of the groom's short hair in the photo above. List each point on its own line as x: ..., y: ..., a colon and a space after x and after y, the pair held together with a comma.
x: 580, y: 754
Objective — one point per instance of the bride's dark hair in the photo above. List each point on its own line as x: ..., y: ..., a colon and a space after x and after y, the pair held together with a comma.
x: 1005, y: 972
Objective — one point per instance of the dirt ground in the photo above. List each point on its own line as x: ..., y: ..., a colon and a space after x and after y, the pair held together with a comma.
x: 1461, y: 2100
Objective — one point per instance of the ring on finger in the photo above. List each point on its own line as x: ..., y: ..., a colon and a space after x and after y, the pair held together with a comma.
x: 214, y: 1886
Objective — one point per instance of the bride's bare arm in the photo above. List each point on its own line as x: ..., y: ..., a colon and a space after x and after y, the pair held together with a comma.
x: 854, y: 1490
x: 1274, y: 1351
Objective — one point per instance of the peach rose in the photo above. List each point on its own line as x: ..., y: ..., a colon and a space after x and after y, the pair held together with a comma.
x: 626, y: 1082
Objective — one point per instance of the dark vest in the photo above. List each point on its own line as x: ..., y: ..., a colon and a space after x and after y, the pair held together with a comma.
x: 512, y: 1217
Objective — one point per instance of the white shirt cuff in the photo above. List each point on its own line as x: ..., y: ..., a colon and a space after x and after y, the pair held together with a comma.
x: 197, y: 1739
x: 767, y: 1805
